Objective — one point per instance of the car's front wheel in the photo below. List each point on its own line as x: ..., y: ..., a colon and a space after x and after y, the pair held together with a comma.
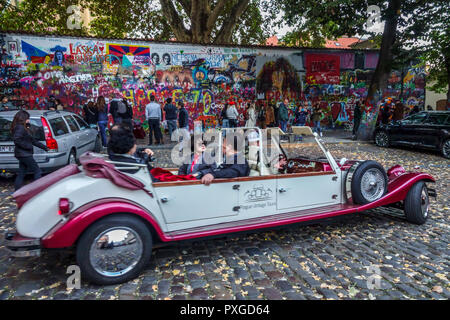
x: 382, y: 139
x: 445, y: 149
x: 114, y: 250
x: 417, y: 204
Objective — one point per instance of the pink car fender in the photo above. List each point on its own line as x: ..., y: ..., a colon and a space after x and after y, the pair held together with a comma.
x: 66, y: 234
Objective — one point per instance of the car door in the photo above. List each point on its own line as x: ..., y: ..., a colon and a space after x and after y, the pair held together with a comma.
x: 308, y: 190
x: 408, y: 131
x: 89, y: 135
x: 431, y: 129
x: 309, y: 181
x: 189, y: 204
x: 78, y: 139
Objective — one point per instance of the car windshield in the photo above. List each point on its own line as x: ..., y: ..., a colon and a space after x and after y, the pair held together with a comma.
x: 415, y: 118
x: 5, y: 128
x: 303, y: 147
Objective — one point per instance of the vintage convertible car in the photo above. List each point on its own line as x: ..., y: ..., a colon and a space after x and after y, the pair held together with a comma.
x: 113, y: 217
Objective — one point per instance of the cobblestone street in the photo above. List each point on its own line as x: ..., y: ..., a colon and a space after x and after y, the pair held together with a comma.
x: 337, y: 259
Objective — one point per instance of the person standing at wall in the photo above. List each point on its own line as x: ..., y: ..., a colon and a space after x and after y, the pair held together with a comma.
x: 127, y: 116
x: 357, y: 115
x: 183, y: 116
x: 23, y: 147
x: 262, y: 117
x: 223, y: 115
x: 270, y: 118
x: 414, y: 110
x: 51, y: 104
x: 59, y: 105
x: 317, y: 116
x: 385, y: 114
x: 251, y: 116
x: 300, y: 116
x: 153, y: 114
x: 102, y: 118
x: 276, y: 113
x: 232, y: 115
x: 399, y: 112
x: 171, y: 117
x: 5, y: 104
x: 90, y: 113
x: 283, y: 115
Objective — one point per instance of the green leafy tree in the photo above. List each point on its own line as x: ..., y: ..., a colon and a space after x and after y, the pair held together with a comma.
x: 196, y: 21
x: 407, y: 24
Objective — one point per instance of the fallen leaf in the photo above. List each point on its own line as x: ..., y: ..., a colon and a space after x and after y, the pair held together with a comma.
x: 437, y: 289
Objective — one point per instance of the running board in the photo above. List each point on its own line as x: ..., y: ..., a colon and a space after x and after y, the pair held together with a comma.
x: 263, y: 222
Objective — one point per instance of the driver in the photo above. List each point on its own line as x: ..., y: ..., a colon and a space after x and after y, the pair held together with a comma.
x: 122, y: 148
x: 276, y: 166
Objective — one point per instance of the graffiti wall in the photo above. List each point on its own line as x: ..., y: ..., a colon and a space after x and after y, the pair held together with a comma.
x: 77, y: 70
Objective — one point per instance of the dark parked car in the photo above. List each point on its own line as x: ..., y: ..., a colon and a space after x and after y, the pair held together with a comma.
x: 426, y: 129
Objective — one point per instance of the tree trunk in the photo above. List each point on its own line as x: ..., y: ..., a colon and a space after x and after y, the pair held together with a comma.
x: 381, y: 74
x: 447, y: 63
x: 203, y: 20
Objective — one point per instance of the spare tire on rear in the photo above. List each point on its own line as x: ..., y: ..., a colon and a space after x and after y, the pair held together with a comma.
x: 369, y: 182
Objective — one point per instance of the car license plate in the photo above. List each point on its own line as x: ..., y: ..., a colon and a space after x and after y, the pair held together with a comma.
x: 7, y: 149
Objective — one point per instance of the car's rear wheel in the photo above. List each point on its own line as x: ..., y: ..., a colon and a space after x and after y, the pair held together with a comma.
x: 72, y: 157
x: 382, y: 139
x: 417, y: 204
x: 114, y: 250
x: 369, y: 182
x: 446, y: 148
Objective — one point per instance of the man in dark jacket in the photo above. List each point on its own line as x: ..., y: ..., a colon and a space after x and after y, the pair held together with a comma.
x: 357, y: 115
x: 171, y: 116
x: 125, y: 112
x: 51, y: 104
x: 234, y: 165
x: 183, y: 116
x: 196, y: 162
x: 122, y: 148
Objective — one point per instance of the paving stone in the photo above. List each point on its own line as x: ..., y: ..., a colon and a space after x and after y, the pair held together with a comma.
x: 275, y: 275
x: 26, y: 288
x: 272, y: 294
x: 283, y: 285
x: 199, y: 293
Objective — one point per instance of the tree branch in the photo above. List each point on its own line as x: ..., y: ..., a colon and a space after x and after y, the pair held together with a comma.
x: 226, y: 32
x: 175, y: 21
x: 212, y: 19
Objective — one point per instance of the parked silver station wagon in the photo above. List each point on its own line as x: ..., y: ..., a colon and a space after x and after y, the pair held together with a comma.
x: 66, y: 134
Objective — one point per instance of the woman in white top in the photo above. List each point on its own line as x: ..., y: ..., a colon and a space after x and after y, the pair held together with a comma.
x: 251, y: 114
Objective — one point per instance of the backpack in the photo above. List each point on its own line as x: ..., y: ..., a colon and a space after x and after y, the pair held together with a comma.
x: 121, y: 107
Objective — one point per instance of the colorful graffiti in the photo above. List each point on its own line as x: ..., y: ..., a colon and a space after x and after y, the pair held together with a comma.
x: 77, y: 70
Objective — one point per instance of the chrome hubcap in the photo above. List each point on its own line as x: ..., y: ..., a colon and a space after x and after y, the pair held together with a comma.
x: 72, y: 159
x: 446, y: 148
x: 116, y: 251
x: 424, y: 202
x: 372, y: 185
x: 382, y: 139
